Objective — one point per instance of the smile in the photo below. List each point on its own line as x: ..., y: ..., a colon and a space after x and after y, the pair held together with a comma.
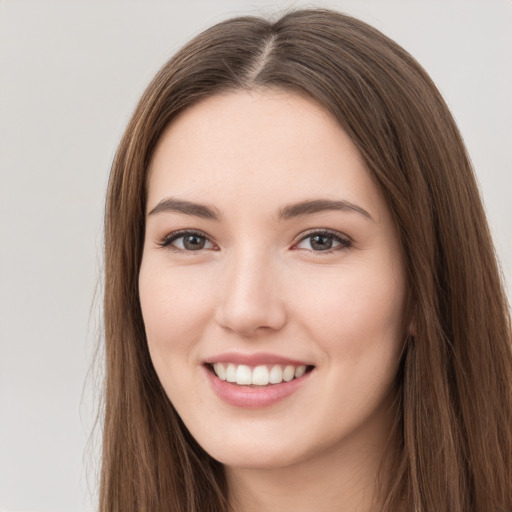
x: 262, y: 375
x: 249, y: 383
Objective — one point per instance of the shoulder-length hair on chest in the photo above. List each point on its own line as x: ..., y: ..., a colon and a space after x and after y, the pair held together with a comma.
x: 454, y: 398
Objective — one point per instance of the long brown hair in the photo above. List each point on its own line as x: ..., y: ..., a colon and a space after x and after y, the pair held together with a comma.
x: 454, y: 422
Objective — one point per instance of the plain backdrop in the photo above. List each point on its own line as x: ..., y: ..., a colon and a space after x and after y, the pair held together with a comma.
x: 71, y: 73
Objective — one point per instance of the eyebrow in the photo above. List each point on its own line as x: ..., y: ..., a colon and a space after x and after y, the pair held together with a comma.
x: 171, y: 204
x: 320, y: 205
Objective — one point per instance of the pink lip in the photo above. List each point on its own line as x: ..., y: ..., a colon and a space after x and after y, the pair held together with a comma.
x: 254, y: 359
x: 253, y: 397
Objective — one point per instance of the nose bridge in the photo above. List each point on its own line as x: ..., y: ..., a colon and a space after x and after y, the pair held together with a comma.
x: 251, y: 298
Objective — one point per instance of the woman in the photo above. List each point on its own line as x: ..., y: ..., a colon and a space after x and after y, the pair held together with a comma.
x: 302, y: 304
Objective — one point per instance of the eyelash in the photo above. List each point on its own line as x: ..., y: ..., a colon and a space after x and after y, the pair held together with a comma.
x: 344, y: 242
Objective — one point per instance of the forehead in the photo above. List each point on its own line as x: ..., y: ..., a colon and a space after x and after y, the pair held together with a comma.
x: 259, y: 147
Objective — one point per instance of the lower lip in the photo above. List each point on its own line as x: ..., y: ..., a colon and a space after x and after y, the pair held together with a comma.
x: 255, y: 397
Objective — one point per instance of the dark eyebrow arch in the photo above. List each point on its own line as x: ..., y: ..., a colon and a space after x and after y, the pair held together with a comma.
x: 320, y: 205
x: 171, y: 204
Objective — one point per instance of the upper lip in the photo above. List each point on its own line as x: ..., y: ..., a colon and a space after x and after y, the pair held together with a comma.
x: 255, y: 359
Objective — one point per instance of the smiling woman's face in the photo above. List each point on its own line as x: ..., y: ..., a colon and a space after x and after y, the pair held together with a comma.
x: 270, y: 251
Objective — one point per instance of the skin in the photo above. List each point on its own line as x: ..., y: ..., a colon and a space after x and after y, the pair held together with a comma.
x: 258, y: 285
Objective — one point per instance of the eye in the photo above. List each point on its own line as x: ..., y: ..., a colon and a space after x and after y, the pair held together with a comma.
x: 317, y: 241
x: 186, y: 241
x: 323, y: 241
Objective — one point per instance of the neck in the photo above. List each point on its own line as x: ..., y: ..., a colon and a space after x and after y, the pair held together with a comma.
x: 345, y: 479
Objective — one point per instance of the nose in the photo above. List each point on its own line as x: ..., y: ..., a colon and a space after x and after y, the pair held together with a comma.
x: 251, y: 300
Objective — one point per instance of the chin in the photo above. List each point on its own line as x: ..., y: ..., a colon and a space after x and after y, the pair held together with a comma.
x: 256, y: 458
x: 260, y: 451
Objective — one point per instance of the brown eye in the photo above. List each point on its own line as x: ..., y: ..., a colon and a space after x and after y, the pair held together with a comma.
x: 323, y: 242
x: 187, y: 241
x: 193, y: 242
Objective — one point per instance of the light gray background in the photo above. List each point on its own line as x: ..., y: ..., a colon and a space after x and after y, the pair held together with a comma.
x: 70, y: 75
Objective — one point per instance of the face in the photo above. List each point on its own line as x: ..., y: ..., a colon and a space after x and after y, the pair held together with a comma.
x: 272, y: 284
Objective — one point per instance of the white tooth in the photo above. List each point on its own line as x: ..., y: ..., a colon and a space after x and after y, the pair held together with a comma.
x: 243, y: 375
x: 276, y: 374
x: 288, y: 373
x: 300, y: 371
x: 260, y: 376
x: 231, y: 373
x: 219, y: 369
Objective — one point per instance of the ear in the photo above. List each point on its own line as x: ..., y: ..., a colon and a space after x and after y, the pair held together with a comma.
x: 411, y: 331
x: 411, y: 316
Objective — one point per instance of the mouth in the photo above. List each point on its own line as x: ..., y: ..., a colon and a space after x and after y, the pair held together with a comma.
x: 263, y: 375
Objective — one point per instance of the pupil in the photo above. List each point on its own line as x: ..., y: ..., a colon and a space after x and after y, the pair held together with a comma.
x: 193, y: 242
x: 321, y: 242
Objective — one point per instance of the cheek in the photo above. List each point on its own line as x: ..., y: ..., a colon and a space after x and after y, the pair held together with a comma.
x: 356, y: 320
x: 175, y: 306
x: 356, y: 312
